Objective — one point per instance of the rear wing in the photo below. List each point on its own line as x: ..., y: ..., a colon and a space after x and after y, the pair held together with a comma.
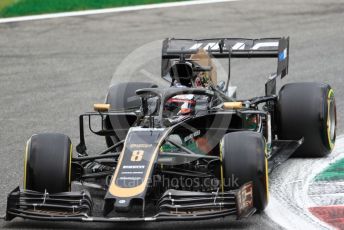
x: 229, y: 48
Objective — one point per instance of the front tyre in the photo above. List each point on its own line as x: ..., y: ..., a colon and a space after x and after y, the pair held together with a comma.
x: 47, y: 165
x: 244, y: 160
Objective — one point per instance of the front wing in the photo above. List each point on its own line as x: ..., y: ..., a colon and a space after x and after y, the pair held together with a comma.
x: 173, y: 205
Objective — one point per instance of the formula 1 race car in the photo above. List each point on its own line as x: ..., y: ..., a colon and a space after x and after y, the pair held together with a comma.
x: 186, y: 152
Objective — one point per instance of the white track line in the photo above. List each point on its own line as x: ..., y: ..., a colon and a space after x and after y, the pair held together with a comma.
x: 111, y: 10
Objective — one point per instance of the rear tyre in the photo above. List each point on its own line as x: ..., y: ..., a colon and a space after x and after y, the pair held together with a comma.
x: 47, y: 165
x: 122, y: 96
x: 244, y: 160
x: 308, y: 110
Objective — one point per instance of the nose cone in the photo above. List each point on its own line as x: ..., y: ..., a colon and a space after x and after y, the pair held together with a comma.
x: 134, y: 169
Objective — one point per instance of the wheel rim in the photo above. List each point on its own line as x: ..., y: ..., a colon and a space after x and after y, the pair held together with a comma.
x: 331, y: 120
x: 28, y: 143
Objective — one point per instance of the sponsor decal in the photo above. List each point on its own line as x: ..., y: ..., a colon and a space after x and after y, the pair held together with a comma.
x: 133, y: 167
x: 244, y: 198
x: 142, y: 146
x: 132, y: 173
x: 282, y: 55
x: 192, y: 135
x: 122, y: 201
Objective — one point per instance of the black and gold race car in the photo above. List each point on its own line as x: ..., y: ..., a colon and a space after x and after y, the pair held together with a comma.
x: 186, y: 152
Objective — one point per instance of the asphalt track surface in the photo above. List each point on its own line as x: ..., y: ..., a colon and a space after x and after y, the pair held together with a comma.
x: 53, y: 70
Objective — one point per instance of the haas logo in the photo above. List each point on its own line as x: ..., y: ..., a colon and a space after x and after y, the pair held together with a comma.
x: 244, y: 198
x: 236, y: 46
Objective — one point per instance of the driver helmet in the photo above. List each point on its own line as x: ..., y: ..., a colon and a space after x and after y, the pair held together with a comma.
x: 204, y: 79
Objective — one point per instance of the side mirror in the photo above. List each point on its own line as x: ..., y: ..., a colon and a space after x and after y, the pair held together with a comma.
x: 233, y: 105
x: 101, y: 107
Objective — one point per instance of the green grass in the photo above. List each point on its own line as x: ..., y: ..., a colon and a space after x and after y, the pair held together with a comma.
x: 5, y: 3
x: 334, y: 172
x: 11, y: 8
